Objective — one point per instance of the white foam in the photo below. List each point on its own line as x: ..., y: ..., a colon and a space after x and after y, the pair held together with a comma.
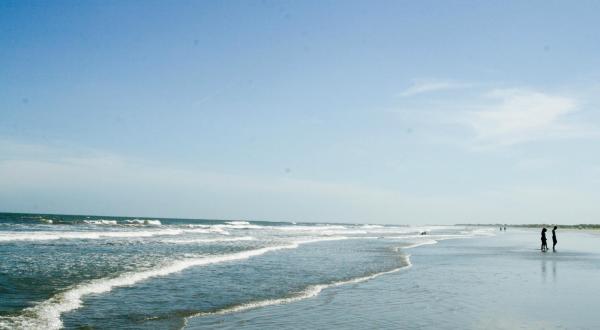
x: 320, y: 239
x: 54, y: 235
x: 208, y: 230
x: 209, y: 240
x: 309, y: 229
x: 416, y: 244
x: 345, y: 230
x: 100, y: 222
x: 47, y: 314
x: 196, y: 226
x: 238, y: 223
x: 309, y: 292
x: 371, y: 226
x: 145, y: 222
x: 484, y: 231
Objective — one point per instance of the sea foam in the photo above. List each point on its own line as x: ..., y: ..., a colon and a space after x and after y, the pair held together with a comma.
x: 309, y: 292
x: 100, y: 222
x: 47, y: 314
x: 209, y: 240
x: 237, y: 223
x: 145, y: 222
x: 54, y: 235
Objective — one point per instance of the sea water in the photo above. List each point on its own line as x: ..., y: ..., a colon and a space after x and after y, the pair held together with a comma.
x: 59, y: 271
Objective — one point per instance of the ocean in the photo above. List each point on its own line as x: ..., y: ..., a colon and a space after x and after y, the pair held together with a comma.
x: 90, y: 272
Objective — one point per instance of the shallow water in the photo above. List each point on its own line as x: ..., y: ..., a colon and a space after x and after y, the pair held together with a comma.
x: 500, y: 282
x: 106, y: 272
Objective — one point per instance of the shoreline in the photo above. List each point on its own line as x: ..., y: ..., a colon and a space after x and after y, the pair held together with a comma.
x: 494, y: 282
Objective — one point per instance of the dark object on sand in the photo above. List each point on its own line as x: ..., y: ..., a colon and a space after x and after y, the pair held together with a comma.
x: 554, y: 241
x: 544, y: 244
x: 423, y: 233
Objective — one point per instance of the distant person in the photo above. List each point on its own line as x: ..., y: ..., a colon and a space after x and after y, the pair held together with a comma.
x: 544, y: 244
x: 554, y: 241
x: 505, y: 228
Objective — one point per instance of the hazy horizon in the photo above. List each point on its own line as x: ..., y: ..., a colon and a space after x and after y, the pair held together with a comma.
x: 333, y: 221
x: 359, y: 112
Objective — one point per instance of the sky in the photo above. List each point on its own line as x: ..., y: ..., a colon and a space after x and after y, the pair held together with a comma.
x: 396, y: 112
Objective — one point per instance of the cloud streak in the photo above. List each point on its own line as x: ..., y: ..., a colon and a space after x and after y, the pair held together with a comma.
x: 522, y: 115
x: 429, y: 86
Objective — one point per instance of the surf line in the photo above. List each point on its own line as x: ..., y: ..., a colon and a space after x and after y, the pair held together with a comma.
x: 310, y: 292
x: 47, y: 313
x: 314, y: 290
x: 49, y: 235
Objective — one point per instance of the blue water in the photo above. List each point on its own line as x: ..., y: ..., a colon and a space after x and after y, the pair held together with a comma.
x: 59, y: 271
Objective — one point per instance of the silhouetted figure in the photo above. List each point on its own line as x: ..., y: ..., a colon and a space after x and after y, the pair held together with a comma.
x: 554, y: 241
x: 504, y: 227
x: 544, y: 243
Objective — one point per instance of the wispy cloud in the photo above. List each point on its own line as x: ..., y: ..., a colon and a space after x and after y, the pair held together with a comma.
x: 428, y: 86
x: 521, y: 115
x: 481, y: 117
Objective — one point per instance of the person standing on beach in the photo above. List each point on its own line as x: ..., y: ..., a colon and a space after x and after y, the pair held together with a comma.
x: 554, y: 241
x: 544, y: 244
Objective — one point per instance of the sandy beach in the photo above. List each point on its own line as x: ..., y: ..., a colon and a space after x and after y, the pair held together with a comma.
x: 500, y: 282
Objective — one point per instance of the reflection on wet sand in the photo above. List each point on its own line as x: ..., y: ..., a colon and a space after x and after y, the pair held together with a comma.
x: 543, y: 263
x: 544, y: 273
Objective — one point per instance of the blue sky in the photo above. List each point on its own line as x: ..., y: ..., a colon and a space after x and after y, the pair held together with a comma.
x: 352, y: 111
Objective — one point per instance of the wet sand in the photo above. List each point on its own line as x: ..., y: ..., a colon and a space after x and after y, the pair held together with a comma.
x: 501, y: 282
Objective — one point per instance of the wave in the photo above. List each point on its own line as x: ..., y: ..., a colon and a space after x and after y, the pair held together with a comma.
x: 309, y: 292
x: 54, y: 235
x: 417, y: 244
x: 484, y: 231
x: 348, y: 230
x: 434, y: 239
x: 240, y: 225
x: 146, y: 222
x: 309, y: 228
x: 208, y: 230
x: 193, y: 225
x: 209, y: 240
x: 100, y: 222
x: 227, y: 225
x: 237, y: 223
x: 47, y: 313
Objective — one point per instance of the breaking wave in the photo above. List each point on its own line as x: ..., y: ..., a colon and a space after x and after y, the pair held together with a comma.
x: 54, y: 235
x: 309, y: 292
x: 47, y: 314
x: 145, y: 222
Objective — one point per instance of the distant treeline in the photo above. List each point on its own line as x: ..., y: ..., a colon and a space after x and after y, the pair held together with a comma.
x: 535, y: 225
